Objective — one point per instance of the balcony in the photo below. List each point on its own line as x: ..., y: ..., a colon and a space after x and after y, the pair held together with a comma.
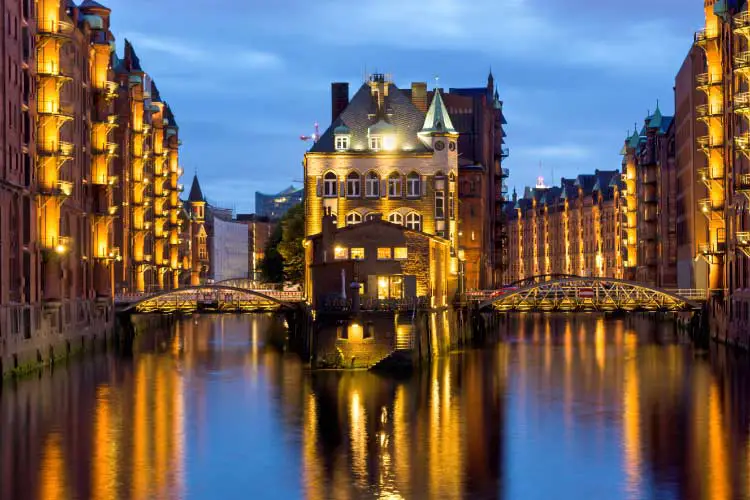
x: 50, y: 69
x: 106, y: 211
x: 711, y: 209
x: 742, y: 62
x: 60, y: 149
x: 705, y: 81
x: 108, y: 89
x: 58, y: 188
x: 54, y: 28
x: 712, y: 249
x: 708, y: 175
x: 504, y: 153
x: 55, y: 108
x: 743, y: 242
x: 108, y: 149
x: 706, y: 142
x: 741, y: 24
x: 708, y: 111
x: 60, y: 244
x: 743, y: 185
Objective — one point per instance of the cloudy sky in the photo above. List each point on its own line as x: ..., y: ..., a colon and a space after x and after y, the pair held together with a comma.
x: 246, y: 77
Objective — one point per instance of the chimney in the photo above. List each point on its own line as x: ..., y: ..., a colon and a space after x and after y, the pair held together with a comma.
x: 339, y: 99
x: 419, y: 96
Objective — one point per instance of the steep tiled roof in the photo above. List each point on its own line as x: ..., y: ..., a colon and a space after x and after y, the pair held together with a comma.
x: 170, y: 116
x: 196, y: 194
x: 437, y: 119
x: 92, y: 4
x: 360, y: 114
x: 155, y: 96
x: 130, y: 55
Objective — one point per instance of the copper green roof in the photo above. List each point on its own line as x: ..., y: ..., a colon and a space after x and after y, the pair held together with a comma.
x: 437, y: 120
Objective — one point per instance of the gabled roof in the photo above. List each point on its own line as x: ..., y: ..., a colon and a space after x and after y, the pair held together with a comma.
x: 361, y: 114
x: 155, y: 96
x: 132, y: 57
x: 437, y: 120
x: 92, y: 4
x: 196, y: 194
x: 170, y: 116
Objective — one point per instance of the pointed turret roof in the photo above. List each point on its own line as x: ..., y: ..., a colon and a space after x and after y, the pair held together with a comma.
x: 655, y: 119
x: 437, y: 119
x: 195, y: 191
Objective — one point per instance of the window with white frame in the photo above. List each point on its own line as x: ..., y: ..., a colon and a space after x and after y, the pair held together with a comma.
x: 353, y: 218
x: 342, y: 142
x: 413, y: 185
x: 439, y: 204
x: 372, y: 185
x: 394, y: 185
x: 352, y: 185
x: 396, y: 218
x: 376, y: 142
x: 330, y: 183
x: 414, y: 221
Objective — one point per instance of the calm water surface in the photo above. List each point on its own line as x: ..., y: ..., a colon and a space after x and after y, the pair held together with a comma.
x: 562, y: 407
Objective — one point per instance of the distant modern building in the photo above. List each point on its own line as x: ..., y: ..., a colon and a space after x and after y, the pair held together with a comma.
x: 274, y: 206
x: 259, y: 230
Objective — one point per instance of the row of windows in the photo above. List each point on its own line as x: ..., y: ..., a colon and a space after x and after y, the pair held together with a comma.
x: 412, y: 220
x: 353, y: 186
x: 358, y: 253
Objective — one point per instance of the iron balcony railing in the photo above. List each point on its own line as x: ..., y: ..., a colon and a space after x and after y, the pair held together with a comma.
x: 58, y: 188
x: 705, y: 80
x: 742, y: 62
x: 706, y: 142
x: 61, y: 244
x: 704, y: 35
x: 741, y: 23
x: 718, y: 248
x: 708, y: 174
x: 710, y: 110
x: 743, y: 183
x: 55, y: 108
x: 742, y: 103
x: 54, y: 27
x: 56, y: 148
x: 108, y: 148
x: 50, y: 69
x: 708, y: 206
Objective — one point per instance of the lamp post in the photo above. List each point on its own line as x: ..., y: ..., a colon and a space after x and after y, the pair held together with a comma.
x: 461, y: 274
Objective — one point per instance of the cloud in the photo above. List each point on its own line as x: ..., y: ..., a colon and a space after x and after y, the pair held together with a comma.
x: 242, y: 58
x: 565, y: 151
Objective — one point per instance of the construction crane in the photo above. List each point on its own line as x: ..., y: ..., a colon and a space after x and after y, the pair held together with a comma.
x: 314, y: 137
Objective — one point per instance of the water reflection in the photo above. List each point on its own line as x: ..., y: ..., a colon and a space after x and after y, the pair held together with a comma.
x: 561, y: 407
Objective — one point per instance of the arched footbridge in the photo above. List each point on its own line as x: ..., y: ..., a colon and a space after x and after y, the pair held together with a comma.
x: 572, y: 293
x: 212, y: 298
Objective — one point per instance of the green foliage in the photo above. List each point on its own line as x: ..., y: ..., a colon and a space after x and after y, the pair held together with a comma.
x: 285, y: 256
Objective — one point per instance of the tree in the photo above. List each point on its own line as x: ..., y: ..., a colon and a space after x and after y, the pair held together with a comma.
x: 284, y: 255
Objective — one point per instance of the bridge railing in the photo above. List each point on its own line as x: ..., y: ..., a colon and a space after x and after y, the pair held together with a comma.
x: 689, y: 293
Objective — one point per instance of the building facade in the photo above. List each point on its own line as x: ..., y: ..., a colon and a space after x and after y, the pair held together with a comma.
x: 724, y: 140
x: 259, y: 230
x: 383, y: 157
x: 650, y: 194
x: 274, y: 206
x: 574, y: 228
x: 75, y: 215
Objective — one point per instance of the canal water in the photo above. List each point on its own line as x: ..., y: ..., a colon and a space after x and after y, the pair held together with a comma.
x: 558, y: 407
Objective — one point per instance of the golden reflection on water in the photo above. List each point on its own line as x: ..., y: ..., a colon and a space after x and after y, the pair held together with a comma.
x: 623, y: 395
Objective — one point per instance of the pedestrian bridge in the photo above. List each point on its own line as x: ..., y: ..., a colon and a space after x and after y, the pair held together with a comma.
x: 209, y: 298
x: 573, y: 293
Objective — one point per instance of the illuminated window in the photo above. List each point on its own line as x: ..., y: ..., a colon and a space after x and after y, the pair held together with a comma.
x: 353, y: 218
x: 352, y: 185
x: 376, y: 142
x: 372, y: 185
x: 384, y: 254
x: 341, y: 253
x: 358, y: 254
x: 394, y: 186
x: 440, y: 205
x: 413, y: 185
x: 396, y: 218
x: 414, y: 221
x: 329, y: 185
x: 400, y: 253
x: 342, y: 142
x: 451, y: 203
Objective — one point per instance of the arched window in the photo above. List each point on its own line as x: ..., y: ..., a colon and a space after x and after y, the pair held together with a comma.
x: 372, y: 185
x: 330, y: 185
x: 396, y: 218
x: 394, y: 185
x: 353, y: 218
x: 413, y: 185
x: 414, y: 221
x: 352, y: 185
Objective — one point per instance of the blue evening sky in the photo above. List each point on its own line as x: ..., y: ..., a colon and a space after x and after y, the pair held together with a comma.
x: 246, y: 77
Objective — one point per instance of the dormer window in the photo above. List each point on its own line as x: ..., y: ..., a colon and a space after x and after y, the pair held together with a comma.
x: 342, y: 142
x: 376, y: 142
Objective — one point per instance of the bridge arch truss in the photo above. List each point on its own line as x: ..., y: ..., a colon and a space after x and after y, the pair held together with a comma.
x: 570, y: 294
x: 218, y: 298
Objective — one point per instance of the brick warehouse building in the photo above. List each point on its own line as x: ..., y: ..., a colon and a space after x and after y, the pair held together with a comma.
x: 84, y: 159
